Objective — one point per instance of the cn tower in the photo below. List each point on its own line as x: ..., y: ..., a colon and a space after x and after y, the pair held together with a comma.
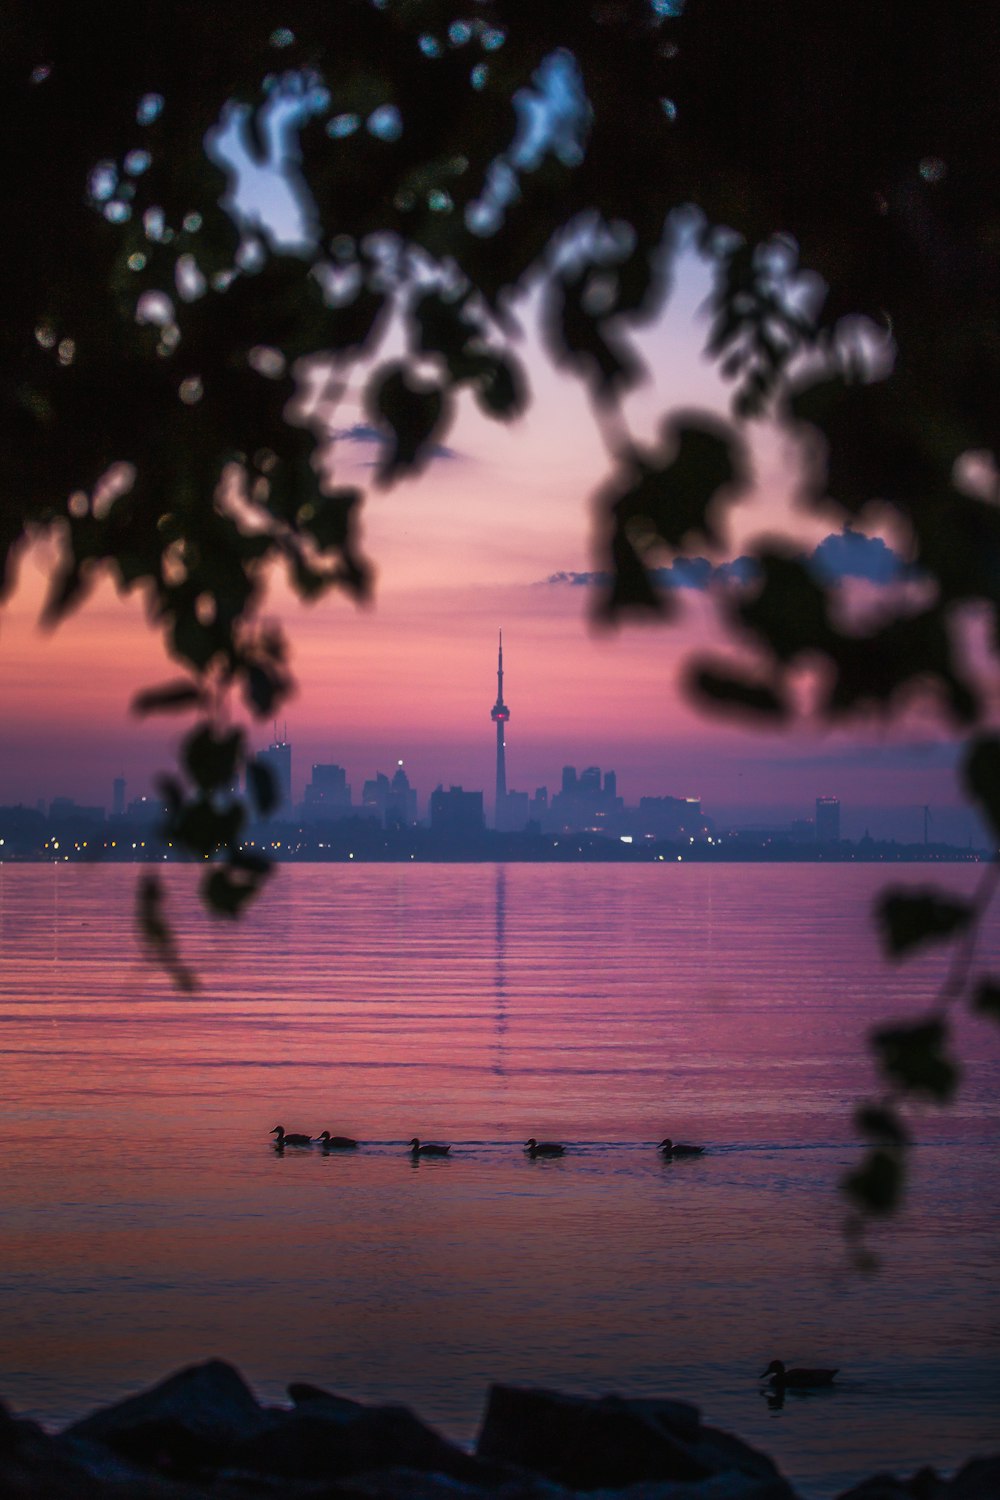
x: 500, y: 714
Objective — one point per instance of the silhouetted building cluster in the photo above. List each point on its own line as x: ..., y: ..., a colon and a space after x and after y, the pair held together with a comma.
x: 586, y: 806
x: 456, y: 813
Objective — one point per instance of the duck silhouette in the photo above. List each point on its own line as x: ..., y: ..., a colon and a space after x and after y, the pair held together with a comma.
x: 783, y: 1379
x: 284, y: 1139
x: 669, y: 1149
x: 430, y: 1148
x: 543, y: 1148
x: 335, y: 1142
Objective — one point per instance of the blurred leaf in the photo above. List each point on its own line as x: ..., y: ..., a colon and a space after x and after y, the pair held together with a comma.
x: 332, y: 517
x: 632, y: 587
x: 881, y: 1123
x: 728, y: 689
x: 443, y: 326
x: 914, y: 651
x: 986, y: 999
x: 981, y: 774
x: 249, y: 863
x: 876, y: 1187
x: 204, y: 829
x: 193, y: 641
x: 501, y: 390
x: 909, y: 918
x: 262, y: 786
x: 69, y: 588
x: 415, y: 414
x: 157, y: 932
x: 875, y: 450
x: 676, y: 498
x: 228, y: 888
x: 789, y: 611
x: 911, y: 1056
x: 264, y: 687
x: 351, y: 326
x: 211, y: 759
x: 173, y: 697
x: 586, y: 340
x: 668, y: 504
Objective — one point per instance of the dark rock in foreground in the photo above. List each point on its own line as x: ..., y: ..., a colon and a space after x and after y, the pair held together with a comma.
x: 610, y: 1443
x: 190, y: 1422
x: 978, y: 1480
x: 202, y: 1435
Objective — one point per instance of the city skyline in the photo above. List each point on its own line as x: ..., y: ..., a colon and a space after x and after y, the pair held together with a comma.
x: 502, y: 526
x: 539, y: 763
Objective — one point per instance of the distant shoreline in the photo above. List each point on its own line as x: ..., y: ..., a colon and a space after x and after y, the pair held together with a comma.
x: 568, y: 854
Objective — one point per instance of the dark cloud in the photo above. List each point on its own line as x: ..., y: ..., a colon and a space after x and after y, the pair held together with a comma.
x: 682, y: 573
x: 843, y: 554
x: 365, y: 433
x: 848, y: 554
x: 584, y: 580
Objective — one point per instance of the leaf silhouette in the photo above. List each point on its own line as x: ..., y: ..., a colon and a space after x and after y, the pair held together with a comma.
x: 415, y: 414
x: 876, y: 1187
x: 986, y: 999
x: 729, y: 689
x: 912, y: 1056
x: 172, y: 697
x: 909, y: 919
x: 981, y: 773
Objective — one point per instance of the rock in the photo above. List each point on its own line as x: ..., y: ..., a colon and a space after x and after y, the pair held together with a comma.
x: 978, y: 1480
x: 189, y: 1422
x: 924, y: 1485
x: 408, y: 1484
x: 726, y: 1454
x: 328, y: 1438
x: 35, y: 1466
x: 301, y: 1393
x: 590, y: 1444
x: 730, y: 1484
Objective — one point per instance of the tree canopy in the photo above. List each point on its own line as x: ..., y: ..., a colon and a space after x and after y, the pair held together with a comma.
x: 839, y: 164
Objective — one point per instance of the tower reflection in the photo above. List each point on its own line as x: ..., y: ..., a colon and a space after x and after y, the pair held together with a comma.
x: 500, y: 969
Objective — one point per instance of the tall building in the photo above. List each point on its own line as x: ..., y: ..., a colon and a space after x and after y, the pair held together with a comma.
x: 455, y: 813
x: 585, y: 803
x: 119, y: 797
x: 278, y: 759
x: 402, y: 808
x: 500, y: 713
x: 827, y: 820
x: 393, y: 802
x: 328, y: 792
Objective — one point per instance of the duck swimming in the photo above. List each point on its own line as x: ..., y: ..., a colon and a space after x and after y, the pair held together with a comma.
x: 543, y: 1148
x: 782, y: 1379
x: 335, y: 1142
x: 670, y: 1149
x: 289, y: 1140
x: 428, y: 1149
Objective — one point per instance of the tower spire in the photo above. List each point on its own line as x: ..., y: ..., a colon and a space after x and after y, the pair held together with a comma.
x: 500, y: 714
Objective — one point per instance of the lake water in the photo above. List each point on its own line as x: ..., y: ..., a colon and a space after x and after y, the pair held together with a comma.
x: 147, y: 1222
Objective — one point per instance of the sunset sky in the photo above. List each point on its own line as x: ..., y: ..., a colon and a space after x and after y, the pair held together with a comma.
x: 463, y: 550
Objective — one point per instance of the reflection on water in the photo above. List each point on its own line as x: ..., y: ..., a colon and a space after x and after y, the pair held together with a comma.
x: 500, y: 979
x: 148, y: 1221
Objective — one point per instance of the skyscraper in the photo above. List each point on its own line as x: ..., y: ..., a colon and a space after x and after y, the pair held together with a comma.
x: 827, y: 820
x: 500, y: 714
x: 278, y: 759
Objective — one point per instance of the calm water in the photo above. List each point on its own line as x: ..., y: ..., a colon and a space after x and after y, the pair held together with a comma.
x: 146, y: 1222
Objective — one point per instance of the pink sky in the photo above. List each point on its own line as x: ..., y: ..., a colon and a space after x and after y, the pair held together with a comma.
x: 459, y: 552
